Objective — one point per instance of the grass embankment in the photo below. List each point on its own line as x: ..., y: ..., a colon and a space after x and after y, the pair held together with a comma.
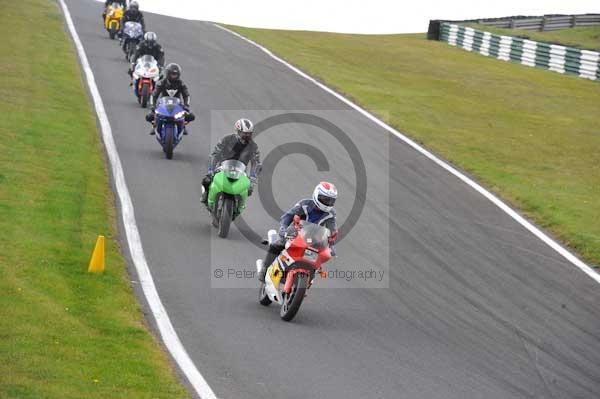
x: 63, y: 333
x: 585, y: 38
x: 532, y: 136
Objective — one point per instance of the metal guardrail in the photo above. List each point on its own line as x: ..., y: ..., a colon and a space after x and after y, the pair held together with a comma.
x: 553, y: 57
x: 541, y: 23
x: 544, y: 23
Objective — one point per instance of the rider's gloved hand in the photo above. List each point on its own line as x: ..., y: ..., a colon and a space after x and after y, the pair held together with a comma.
x: 282, y: 231
x: 189, y: 116
x: 289, y: 231
x: 332, y: 238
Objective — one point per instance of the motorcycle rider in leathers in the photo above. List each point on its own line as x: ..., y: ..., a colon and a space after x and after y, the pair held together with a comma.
x: 238, y: 146
x: 133, y: 14
x: 171, y: 86
x: 318, y: 210
x: 148, y: 46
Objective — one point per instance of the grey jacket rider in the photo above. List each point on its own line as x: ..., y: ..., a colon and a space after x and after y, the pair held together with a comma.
x: 230, y: 147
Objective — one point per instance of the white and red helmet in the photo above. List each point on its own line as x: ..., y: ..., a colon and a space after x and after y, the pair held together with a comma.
x: 324, y: 196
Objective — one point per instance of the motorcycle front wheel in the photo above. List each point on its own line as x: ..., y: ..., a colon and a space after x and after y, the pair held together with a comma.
x: 130, y: 50
x: 145, y: 96
x: 169, y: 141
x: 291, y: 303
x: 225, y: 216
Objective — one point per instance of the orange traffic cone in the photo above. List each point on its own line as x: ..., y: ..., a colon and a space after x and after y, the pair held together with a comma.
x: 97, y: 261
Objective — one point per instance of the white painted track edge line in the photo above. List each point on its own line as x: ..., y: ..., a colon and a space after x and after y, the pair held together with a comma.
x: 167, y: 332
x: 471, y: 183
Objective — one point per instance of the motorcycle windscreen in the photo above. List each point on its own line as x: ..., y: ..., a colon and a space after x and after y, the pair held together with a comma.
x: 147, y: 61
x: 171, y: 104
x: 316, y: 236
x: 233, y: 169
x: 133, y: 29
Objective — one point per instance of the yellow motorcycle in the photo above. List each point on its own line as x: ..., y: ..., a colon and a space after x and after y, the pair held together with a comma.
x: 112, y: 19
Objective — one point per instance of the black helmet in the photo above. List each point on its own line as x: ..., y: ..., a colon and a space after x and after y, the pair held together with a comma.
x: 150, y: 37
x: 173, y: 72
x: 134, y: 6
x: 244, y: 129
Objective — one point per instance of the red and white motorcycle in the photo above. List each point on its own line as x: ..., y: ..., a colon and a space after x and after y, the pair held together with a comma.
x: 145, y: 76
x: 292, y: 273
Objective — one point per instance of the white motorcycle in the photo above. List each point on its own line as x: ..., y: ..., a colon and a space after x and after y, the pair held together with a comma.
x: 145, y: 76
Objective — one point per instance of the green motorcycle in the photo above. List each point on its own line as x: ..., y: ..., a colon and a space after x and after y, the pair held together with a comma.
x: 227, y: 194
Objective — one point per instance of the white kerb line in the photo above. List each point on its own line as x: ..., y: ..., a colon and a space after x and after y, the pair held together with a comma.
x: 167, y: 332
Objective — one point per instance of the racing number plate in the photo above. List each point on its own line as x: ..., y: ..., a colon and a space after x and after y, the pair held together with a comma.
x: 310, y: 255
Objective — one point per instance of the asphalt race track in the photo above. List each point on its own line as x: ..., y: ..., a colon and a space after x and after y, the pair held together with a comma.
x: 471, y: 305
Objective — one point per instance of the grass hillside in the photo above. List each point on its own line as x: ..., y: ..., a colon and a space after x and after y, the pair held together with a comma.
x: 530, y: 135
x: 63, y: 333
x: 584, y: 38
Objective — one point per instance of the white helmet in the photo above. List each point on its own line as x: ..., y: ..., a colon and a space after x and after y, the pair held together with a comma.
x: 244, y: 129
x: 324, y: 196
x: 150, y: 37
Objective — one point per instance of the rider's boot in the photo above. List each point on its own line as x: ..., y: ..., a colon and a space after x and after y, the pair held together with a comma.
x: 150, y: 119
x: 271, y: 255
x: 205, y: 187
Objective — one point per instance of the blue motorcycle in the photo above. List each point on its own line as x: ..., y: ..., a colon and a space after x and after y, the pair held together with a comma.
x: 169, y: 123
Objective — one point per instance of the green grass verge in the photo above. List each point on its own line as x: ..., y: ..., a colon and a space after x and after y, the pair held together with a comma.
x: 585, y: 38
x: 530, y: 135
x: 63, y: 333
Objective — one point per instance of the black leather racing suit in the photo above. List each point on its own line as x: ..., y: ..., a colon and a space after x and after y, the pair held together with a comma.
x: 176, y: 88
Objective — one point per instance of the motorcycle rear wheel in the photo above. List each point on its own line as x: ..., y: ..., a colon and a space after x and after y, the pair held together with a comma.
x: 291, y: 303
x: 263, y: 298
